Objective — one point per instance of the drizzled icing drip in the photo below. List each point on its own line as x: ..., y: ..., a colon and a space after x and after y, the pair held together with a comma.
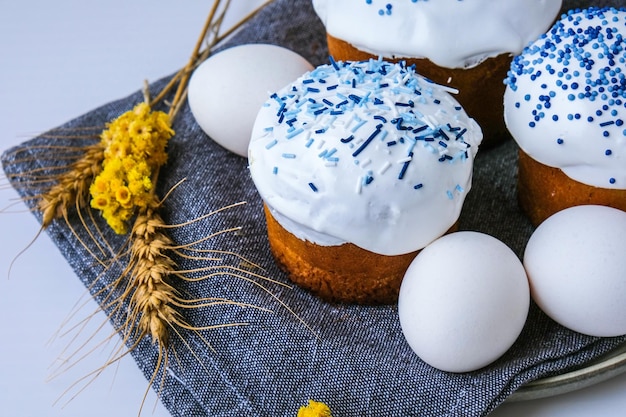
x: 364, y: 152
x: 565, y: 102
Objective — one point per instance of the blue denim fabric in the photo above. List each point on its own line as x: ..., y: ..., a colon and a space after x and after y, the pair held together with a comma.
x: 353, y: 358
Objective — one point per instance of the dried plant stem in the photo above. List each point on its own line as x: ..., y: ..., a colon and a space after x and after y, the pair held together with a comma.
x: 250, y: 15
x: 186, y: 72
x: 168, y: 87
x: 212, y: 25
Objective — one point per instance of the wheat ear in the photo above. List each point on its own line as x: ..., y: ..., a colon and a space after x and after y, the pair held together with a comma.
x: 72, y: 188
x: 149, y: 294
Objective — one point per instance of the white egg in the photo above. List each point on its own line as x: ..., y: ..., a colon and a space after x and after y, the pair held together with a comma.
x: 227, y: 90
x: 576, y: 265
x: 463, y: 301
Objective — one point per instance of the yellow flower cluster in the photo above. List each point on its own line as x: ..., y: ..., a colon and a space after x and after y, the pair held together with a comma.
x: 314, y: 409
x: 134, y: 146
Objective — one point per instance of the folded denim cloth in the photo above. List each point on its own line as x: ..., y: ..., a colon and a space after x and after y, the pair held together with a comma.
x: 351, y: 357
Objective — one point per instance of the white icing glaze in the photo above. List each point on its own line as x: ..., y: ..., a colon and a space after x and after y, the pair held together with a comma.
x: 450, y: 33
x: 367, y: 153
x: 566, y: 97
x: 303, y: 232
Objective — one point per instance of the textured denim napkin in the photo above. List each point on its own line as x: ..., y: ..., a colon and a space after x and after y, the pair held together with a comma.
x: 353, y: 358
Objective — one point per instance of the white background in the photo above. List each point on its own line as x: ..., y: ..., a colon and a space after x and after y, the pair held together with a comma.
x: 58, y: 60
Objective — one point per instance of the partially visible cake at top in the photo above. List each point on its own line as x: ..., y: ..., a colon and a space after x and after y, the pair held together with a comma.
x: 466, y: 44
x: 450, y: 33
x: 565, y: 105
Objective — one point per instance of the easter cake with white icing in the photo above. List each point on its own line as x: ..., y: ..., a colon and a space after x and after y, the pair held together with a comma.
x: 360, y: 165
x: 467, y: 44
x: 565, y: 105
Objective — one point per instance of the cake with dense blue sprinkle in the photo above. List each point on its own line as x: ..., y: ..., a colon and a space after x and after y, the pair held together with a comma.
x: 466, y: 44
x: 565, y: 105
x: 360, y: 165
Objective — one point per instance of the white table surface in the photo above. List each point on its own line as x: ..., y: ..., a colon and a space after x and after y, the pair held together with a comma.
x: 58, y: 60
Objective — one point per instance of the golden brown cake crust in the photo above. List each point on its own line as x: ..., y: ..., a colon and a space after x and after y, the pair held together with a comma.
x: 345, y: 274
x: 543, y: 191
x: 481, y: 89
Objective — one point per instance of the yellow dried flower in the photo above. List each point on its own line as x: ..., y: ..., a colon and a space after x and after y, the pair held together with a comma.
x: 314, y: 409
x: 122, y: 195
x: 135, y: 147
x: 100, y: 185
x: 99, y: 203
